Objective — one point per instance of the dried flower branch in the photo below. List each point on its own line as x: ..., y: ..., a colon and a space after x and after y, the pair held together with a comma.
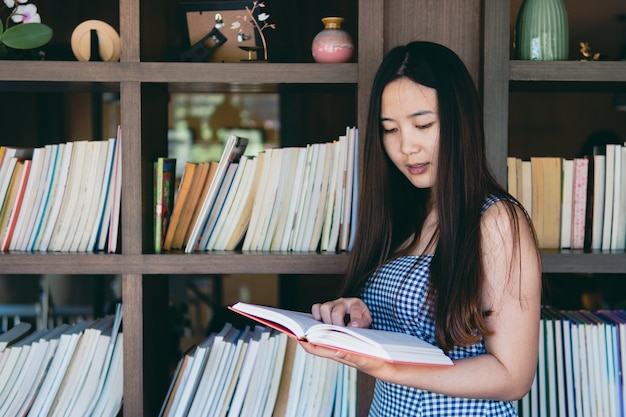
x: 253, y: 22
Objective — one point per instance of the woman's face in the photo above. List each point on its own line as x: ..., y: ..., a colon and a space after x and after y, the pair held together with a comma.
x: 410, y: 124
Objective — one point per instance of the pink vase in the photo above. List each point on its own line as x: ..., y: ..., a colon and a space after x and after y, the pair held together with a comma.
x: 332, y: 44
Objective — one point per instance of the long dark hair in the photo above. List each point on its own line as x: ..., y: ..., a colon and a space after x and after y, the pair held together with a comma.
x: 392, y: 210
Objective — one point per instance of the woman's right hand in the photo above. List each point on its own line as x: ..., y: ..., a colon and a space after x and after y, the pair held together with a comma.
x: 350, y: 312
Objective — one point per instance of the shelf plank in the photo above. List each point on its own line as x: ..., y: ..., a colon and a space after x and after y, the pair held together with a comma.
x: 256, y: 263
x: 568, y: 71
x: 195, y: 263
x: 178, y: 72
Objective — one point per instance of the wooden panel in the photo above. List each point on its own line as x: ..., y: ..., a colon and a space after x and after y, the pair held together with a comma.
x: 496, y: 89
x: 131, y: 218
x: 454, y: 23
x: 129, y: 30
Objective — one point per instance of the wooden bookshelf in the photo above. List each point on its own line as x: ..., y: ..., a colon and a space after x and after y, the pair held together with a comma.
x: 144, y: 80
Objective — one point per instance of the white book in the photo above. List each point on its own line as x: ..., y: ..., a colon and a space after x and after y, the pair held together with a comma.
x: 233, y: 149
x: 85, y: 394
x: 257, y: 207
x: 231, y: 378
x: 567, y: 202
x: 297, y: 378
x: 292, y: 155
x: 620, y: 243
x: 91, y: 175
x: 192, y: 378
x: 57, y: 371
x: 617, y: 198
x: 609, y: 183
x: 239, y: 212
x: 312, y: 198
x: 241, y: 225
x: 41, y: 239
x: 213, y: 367
x: 25, y: 370
x: 294, y: 201
x: 230, y: 204
x: 599, y: 167
x: 69, y: 202
x: 256, y: 392
x: 116, y: 197
x: 346, y: 220
x: 305, y: 196
x: 114, y: 181
x: 100, y: 209
x: 250, y: 361
x: 222, y: 366
x: 218, y: 208
x: 386, y: 345
x: 93, y: 195
x: 333, y: 240
x: 41, y: 201
x: 331, y: 197
x: 275, y: 374
x: 77, y: 372
x: 269, y: 198
x: 107, y: 368
x: 110, y: 402
x: 355, y: 190
x: 43, y: 366
x: 28, y: 200
x: 321, y: 190
x: 283, y: 187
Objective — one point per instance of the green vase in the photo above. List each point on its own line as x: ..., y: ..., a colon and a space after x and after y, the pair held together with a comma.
x: 542, y: 31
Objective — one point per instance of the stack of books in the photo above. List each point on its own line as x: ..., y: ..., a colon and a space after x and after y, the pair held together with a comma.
x: 581, y: 365
x: 258, y: 372
x: 69, y: 370
x: 577, y: 203
x: 61, y: 197
x: 293, y: 199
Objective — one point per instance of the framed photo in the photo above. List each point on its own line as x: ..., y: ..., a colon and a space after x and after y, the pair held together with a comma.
x: 199, y: 19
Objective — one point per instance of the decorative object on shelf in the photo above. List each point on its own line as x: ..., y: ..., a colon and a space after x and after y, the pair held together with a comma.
x: 332, y: 44
x: 199, y: 19
x: 252, y: 19
x: 542, y: 31
x: 586, y: 52
x: 21, y: 30
x: 202, y: 49
x: 96, y: 34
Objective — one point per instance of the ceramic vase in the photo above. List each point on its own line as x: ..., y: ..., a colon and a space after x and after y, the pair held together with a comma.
x: 542, y: 31
x: 332, y: 44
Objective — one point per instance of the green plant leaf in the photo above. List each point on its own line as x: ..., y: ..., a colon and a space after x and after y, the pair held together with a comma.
x: 26, y: 36
x: 1, y: 27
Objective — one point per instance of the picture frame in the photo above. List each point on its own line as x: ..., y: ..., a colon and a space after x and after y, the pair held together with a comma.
x: 198, y: 19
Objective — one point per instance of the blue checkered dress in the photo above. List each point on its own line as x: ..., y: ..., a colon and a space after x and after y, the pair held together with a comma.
x: 396, y: 297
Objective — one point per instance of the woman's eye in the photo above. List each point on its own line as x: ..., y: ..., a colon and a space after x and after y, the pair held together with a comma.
x: 390, y: 130
x: 425, y: 126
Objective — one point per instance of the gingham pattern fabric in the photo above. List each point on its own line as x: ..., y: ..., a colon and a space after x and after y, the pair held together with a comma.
x: 397, y: 298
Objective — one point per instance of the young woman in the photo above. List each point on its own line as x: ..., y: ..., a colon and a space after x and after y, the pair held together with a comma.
x: 442, y: 251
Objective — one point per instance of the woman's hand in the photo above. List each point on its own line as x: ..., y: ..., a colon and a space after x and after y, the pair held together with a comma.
x: 350, y: 312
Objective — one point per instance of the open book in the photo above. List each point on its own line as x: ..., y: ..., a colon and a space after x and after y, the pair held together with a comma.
x: 389, y: 346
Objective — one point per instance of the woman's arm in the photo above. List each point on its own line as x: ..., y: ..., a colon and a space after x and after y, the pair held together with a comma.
x: 512, y: 291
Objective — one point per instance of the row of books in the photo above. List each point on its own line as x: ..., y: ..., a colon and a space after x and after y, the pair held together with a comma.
x: 577, y: 203
x: 61, y: 197
x: 258, y: 372
x: 71, y: 370
x: 300, y: 199
x: 582, y: 365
